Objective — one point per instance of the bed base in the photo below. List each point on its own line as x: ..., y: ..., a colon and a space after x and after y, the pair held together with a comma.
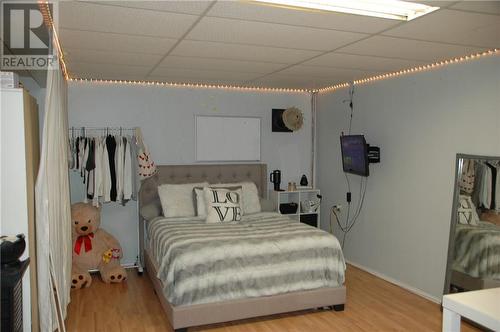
x: 182, y: 317
x: 469, y: 283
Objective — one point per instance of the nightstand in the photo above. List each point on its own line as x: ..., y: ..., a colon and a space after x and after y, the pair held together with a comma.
x: 311, y: 218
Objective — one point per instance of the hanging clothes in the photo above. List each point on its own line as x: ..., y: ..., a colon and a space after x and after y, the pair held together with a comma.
x: 98, y: 171
x: 127, y: 171
x: 111, y: 144
x: 483, y: 186
x: 90, y: 168
x: 134, y: 152
x: 467, y: 177
x: 119, y: 168
x: 493, y: 185
x: 497, y: 185
x: 107, y: 165
x: 106, y: 176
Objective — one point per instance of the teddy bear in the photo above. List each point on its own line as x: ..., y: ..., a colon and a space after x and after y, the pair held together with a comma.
x: 93, y: 248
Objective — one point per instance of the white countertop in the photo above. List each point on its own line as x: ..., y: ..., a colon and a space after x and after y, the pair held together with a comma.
x: 482, y: 306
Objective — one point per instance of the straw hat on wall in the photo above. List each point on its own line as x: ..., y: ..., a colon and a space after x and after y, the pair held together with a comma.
x: 293, y: 118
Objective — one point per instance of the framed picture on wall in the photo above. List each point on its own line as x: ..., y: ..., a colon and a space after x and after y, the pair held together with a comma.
x: 227, y: 138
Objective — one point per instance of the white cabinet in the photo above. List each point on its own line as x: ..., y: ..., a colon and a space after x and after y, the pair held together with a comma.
x: 20, y: 153
x: 300, y: 214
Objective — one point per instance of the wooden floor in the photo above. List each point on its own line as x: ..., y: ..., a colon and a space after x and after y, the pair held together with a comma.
x: 372, y: 305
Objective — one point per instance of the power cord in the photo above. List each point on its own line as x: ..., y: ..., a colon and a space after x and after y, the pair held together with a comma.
x: 351, y: 105
x: 349, y: 224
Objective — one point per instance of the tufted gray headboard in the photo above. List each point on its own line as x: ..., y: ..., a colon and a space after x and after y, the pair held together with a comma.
x: 213, y: 173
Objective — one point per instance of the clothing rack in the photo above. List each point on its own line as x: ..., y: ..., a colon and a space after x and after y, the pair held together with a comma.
x: 82, y: 131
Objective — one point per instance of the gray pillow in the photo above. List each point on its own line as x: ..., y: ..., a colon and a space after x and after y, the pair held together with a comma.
x: 151, y: 210
x: 267, y: 205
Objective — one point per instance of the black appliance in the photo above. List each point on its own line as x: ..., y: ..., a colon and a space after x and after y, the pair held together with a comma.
x: 11, y: 274
x: 275, y: 178
x: 357, y: 155
x: 11, y: 248
x: 373, y: 154
x: 354, y: 154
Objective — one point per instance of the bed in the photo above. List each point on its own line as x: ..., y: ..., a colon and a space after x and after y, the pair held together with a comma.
x: 476, y: 261
x: 261, y: 251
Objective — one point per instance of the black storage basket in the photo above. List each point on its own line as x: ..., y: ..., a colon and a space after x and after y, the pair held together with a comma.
x: 288, y: 208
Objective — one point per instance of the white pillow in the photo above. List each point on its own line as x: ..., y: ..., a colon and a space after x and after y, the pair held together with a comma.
x: 223, y: 205
x: 250, y: 200
x: 467, y: 214
x: 177, y: 199
x: 199, y: 199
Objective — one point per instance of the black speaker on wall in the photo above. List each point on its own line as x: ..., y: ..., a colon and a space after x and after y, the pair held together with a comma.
x: 277, y: 121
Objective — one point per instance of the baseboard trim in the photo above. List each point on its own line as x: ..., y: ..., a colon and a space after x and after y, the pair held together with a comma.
x: 125, y: 266
x: 396, y: 282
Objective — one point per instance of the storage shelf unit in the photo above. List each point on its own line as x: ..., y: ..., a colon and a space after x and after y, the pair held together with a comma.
x: 297, y: 196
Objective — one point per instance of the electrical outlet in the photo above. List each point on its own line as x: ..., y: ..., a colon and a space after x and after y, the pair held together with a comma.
x: 337, y: 207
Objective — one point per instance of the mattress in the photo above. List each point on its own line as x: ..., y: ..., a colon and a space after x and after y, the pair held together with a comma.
x: 264, y: 254
x: 477, y: 250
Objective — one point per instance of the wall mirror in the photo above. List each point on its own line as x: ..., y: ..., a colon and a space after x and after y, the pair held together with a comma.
x: 474, y: 245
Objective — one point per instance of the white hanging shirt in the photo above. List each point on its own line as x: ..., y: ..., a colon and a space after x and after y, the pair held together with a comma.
x: 127, y: 170
x: 98, y: 171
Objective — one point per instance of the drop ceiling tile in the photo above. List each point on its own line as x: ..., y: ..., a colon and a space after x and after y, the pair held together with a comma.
x: 107, y: 71
x: 202, y: 75
x: 103, y: 41
x: 487, y: 7
x: 129, y: 21
x: 241, y: 52
x: 183, y: 7
x: 315, y: 19
x: 268, y: 34
x: 173, y: 61
x: 362, y: 62
x: 328, y: 72
x: 107, y: 76
x: 291, y: 81
x: 435, y: 3
x: 453, y: 26
x: 181, y: 79
x: 111, y: 57
x: 408, y: 49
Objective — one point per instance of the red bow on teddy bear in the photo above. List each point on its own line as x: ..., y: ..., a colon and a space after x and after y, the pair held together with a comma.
x: 86, y: 239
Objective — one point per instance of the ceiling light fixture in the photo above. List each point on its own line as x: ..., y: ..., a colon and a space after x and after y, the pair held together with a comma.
x: 390, y: 9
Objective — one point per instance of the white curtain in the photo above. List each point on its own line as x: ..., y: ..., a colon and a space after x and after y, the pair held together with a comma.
x: 53, y: 211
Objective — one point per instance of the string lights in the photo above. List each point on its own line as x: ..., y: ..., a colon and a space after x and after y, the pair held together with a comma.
x: 49, y: 22
x: 187, y: 85
x: 413, y: 70
x: 44, y: 7
x: 263, y: 89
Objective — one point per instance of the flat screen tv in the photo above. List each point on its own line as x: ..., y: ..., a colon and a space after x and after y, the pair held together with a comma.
x: 354, y: 154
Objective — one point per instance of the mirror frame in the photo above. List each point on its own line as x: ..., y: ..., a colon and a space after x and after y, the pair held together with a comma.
x: 456, y: 192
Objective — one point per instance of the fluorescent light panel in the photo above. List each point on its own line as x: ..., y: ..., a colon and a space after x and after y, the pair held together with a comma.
x: 391, y: 9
